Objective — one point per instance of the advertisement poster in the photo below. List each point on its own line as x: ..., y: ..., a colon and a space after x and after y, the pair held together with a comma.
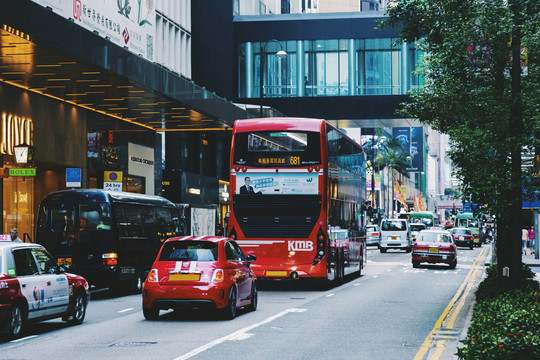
x: 417, y: 149
x: 403, y: 134
x: 272, y: 183
x: 126, y: 23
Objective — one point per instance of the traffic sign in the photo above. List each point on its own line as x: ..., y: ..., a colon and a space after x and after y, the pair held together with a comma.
x: 73, y: 177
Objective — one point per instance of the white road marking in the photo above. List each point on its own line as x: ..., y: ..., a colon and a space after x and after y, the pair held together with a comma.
x: 125, y: 310
x: 24, y: 339
x: 242, y: 333
x: 330, y: 295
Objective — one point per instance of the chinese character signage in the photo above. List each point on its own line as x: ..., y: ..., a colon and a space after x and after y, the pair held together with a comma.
x: 126, y: 23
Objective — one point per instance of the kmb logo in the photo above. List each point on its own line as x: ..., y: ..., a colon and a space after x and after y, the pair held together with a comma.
x: 77, y: 10
x: 300, y: 245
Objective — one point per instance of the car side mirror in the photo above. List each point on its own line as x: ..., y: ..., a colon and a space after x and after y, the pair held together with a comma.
x: 251, y: 258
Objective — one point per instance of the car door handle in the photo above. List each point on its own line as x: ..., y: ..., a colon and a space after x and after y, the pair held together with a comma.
x: 23, y: 285
x: 48, y: 283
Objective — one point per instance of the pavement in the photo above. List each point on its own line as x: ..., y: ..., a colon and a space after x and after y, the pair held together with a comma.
x: 445, y: 339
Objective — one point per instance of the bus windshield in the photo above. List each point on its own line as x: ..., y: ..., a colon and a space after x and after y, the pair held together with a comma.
x: 277, y: 148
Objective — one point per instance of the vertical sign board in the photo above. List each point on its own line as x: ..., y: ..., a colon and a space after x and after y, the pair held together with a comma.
x: 112, y: 180
x: 417, y: 149
x: 73, y: 177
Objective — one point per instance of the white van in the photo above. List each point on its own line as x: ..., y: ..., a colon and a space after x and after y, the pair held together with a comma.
x: 395, y: 234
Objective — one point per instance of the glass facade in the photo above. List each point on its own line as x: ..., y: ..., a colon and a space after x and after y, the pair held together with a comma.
x: 339, y: 67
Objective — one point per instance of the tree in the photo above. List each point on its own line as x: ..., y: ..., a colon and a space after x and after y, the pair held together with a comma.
x: 389, y: 154
x: 482, y: 91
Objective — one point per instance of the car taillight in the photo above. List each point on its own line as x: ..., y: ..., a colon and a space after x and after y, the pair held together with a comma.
x: 110, y: 258
x: 218, y: 275
x: 375, y: 234
x: 152, y: 276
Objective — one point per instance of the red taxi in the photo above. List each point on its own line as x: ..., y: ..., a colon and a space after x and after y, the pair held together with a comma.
x: 434, y: 246
x: 200, y: 272
x: 33, y: 288
x: 463, y: 237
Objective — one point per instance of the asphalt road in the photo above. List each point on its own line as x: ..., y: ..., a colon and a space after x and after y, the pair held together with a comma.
x: 385, y: 314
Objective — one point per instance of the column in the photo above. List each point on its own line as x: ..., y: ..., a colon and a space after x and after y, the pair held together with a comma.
x: 404, y: 69
x: 249, y: 70
x: 352, y: 67
x: 300, y: 91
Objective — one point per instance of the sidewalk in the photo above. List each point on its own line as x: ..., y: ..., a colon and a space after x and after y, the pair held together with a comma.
x: 462, y: 326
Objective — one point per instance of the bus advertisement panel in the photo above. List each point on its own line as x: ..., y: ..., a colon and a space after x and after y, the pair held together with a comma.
x: 297, y: 186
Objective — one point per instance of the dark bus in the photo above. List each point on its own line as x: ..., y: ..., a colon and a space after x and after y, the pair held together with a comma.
x: 111, y: 238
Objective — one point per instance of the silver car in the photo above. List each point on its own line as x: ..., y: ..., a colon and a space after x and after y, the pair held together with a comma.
x: 373, y: 235
x: 395, y: 234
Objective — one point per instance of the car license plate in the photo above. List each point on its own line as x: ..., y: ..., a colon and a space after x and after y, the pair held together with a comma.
x: 393, y: 237
x: 433, y: 249
x: 276, y: 273
x: 64, y: 261
x: 461, y: 238
x: 184, y: 277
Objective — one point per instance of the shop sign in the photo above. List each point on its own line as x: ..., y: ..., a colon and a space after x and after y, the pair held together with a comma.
x: 16, y: 130
x: 23, y: 172
x: 128, y: 24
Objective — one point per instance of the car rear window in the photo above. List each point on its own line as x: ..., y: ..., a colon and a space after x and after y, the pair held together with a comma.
x: 189, y: 251
x: 434, y: 237
x: 390, y: 225
x: 371, y: 228
x: 417, y: 227
x: 462, y: 231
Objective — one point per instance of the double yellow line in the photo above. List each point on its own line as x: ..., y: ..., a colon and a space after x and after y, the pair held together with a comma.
x: 451, y: 311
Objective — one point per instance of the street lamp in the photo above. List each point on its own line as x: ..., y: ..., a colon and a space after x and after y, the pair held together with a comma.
x: 280, y: 54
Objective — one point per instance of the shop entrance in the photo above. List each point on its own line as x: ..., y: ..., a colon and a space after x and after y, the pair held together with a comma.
x: 18, y: 206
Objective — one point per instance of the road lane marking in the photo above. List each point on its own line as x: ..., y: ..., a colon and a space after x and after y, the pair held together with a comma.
x: 125, y: 310
x: 330, y: 295
x: 24, y: 339
x: 235, y: 335
x: 426, y: 346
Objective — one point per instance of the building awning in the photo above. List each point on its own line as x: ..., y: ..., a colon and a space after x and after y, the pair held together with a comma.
x: 46, y: 54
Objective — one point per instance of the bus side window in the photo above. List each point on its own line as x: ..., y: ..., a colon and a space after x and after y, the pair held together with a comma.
x: 63, y: 218
x: 132, y: 225
x: 95, y: 216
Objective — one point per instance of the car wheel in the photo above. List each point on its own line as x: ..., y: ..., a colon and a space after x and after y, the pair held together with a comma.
x: 415, y: 264
x: 78, y: 312
x: 254, y: 298
x: 453, y: 265
x: 471, y: 247
x: 16, y: 321
x: 150, y: 314
x: 383, y: 250
x: 408, y: 249
x: 229, y: 312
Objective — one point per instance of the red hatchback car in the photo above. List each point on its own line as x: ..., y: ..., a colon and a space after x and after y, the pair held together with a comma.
x: 434, y: 246
x: 200, y: 272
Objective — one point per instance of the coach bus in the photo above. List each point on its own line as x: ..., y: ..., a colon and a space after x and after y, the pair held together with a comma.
x: 298, y: 187
x: 111, y: 238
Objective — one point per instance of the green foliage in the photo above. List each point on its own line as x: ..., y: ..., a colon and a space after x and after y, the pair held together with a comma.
x: 495, y: 285
x: 504, y: 328
x: 468, y: 92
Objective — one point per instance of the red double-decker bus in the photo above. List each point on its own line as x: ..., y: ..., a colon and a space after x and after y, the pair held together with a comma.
x: 297, y: 189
